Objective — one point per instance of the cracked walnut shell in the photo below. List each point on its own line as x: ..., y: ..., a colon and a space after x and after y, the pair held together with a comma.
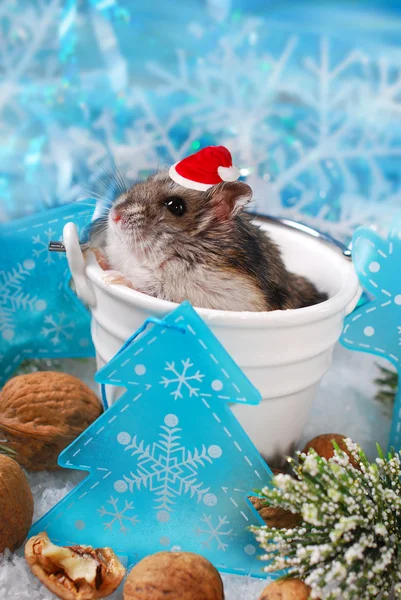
x: 42, y: 413
x: 74, y: 572
x: 176, y: 575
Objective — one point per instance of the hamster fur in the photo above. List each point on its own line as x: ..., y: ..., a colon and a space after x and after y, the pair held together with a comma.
x: 179, y: 244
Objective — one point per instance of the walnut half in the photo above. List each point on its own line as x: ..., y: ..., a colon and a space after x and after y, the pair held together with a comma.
x: 74, y: 572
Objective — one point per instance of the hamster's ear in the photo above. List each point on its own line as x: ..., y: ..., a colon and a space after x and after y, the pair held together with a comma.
x: 229, y: 198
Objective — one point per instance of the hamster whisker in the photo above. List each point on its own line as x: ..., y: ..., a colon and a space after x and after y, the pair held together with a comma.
x: 91, y: 194
x: 212, y: 257
x: 109, y: 185
x: 85, y: 194
x: 120, y: 178
x: 101, y: 226
x: 116, y: 177
x: 106, y: 188
x: 100, y: 197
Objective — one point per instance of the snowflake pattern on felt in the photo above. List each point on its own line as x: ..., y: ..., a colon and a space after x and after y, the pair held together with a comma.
x: 174, y: 469
x: 40, y: 316
x: 41, y: 247
x: 375, y: 327
x: 14, y: 296
x: 58, y: 328
x: 117, y: 515
x: 183, y: 378
x: 219, y: 533
x: 167, y: 468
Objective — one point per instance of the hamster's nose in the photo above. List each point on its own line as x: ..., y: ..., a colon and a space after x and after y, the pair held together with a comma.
x: 115, y: 215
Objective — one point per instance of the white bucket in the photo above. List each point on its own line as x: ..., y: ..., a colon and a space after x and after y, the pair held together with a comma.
x: 284, y: 353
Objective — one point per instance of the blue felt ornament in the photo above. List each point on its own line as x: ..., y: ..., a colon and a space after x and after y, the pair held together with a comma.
x: 376, y: 326
x: 169, y: 465
x: 40, y: 316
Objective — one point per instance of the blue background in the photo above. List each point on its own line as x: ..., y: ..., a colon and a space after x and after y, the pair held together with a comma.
x: 143, y: 84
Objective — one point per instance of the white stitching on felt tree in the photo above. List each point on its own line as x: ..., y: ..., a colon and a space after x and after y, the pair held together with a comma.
x: 40, y: 316
x: 375, y: 327
x: 175, y: 469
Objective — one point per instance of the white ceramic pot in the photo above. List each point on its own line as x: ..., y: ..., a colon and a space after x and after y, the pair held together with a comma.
x: 284, y: 353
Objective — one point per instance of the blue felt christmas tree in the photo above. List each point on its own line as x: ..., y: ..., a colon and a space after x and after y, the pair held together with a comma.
x: 40, y: 316
x: 376, y: 326
x: 170, y: 466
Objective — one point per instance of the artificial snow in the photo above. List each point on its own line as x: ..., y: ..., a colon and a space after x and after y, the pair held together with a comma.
x: 344, y: 404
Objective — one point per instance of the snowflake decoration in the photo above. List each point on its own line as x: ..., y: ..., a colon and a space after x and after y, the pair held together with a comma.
x: 215, y: 533
x: 40, y: 316
x: 311, y: 131
x: 29, y: 86
x: 336, y: 132
x: 24, y: 44
x: 338, y: 114
x: 375, y: 326
x: 166, y: 455
x: 41, y: 246
x: 118, y: 516
x: 167, y: 468
x: 230, y: 91
x: 147, y: 142
x: 182, y: 379
x: 14, y: 296
x: 58, y: 329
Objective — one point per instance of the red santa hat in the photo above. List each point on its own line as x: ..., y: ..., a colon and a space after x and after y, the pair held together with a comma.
x: 200, y: 171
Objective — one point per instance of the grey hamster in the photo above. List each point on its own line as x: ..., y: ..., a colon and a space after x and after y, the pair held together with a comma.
x: 179, y: 244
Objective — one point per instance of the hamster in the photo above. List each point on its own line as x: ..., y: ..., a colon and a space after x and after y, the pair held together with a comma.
x: 179, y: 244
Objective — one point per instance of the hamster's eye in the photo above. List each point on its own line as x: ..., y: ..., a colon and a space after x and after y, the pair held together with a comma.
x: 175, y: 205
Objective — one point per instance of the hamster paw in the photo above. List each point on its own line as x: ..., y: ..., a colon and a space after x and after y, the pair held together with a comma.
x: 116, y: 278
x: 101, y: 259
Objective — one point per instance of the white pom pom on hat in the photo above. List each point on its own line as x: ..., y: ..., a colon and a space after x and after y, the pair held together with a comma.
x: 228, y: 173
x: 204, y: 169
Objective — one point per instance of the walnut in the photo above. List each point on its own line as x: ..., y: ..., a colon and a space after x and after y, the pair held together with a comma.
x: 275, y: 517
x: 177, y: 575
x: 42, y: 413
x: 286, y: 589
x: 322, y: 444
x: 74, y: 572
x: 16, y: 504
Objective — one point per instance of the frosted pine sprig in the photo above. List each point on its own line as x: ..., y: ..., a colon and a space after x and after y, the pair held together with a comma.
x: 387, y: 384
x: 348, y: 544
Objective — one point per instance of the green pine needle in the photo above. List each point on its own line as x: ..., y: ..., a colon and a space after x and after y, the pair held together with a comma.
x: 387, y: 384
x: 348, y: 544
